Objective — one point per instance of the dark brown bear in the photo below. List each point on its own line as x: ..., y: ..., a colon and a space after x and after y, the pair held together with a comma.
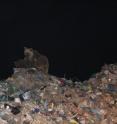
x: 33, y: 59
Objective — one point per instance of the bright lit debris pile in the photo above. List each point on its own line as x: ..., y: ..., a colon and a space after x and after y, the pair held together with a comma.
x: 30, y: 96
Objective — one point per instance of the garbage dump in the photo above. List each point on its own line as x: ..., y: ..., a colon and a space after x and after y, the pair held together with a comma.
x: 32, y: 96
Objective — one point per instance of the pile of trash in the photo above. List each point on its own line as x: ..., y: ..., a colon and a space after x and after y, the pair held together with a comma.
x: 31, y: 96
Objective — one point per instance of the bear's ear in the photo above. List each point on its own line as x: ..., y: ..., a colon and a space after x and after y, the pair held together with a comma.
x: 25, y: 48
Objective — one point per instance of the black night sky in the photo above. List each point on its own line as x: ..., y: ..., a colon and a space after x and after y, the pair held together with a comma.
x: 77, y: 37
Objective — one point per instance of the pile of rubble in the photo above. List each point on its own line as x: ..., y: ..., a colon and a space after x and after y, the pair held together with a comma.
x: 31, y: 96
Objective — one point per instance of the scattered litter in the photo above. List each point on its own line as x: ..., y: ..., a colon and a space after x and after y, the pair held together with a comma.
x: 35, y: 110
x: 31, y: 96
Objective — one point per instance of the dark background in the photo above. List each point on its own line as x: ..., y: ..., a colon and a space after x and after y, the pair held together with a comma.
x: 78, y: 38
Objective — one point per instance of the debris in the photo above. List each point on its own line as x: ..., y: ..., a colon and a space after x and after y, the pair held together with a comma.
x: 26, y: 95
x: 17, y: 101
x: 73, y: 122
x: 31, y: 96
x: 15, y: 110
x: 3, y: 121
x: 35, y: 110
